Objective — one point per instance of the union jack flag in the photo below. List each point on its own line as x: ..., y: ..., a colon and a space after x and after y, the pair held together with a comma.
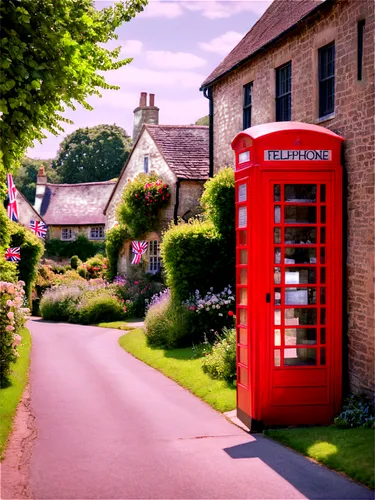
x: 39, y: 228
x: 13, y: 254
x: 12, y: 207
x: 138, y: 248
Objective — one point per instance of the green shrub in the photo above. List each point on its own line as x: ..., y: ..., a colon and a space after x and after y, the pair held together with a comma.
x: 358, y: 411
x: 142, y: 200
x: 75, y: 261
x: 220, y: 361
x: 101, y: 309
x: 61, y: 303
x: 32, y: 250
x: 8, y: 270
x: 82, y: 247
x: 115, y: 238
x: 68, y: 278
x: 195, y: 258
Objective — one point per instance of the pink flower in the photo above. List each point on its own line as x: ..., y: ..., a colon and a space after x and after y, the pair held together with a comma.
x: 192, y: 308
x: 9, y: 328
x: 9, y: 303
x: 16, y: 339
x: 136, y: 282
x: 10, y: 315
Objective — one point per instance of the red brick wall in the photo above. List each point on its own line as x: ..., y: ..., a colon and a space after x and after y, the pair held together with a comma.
x: 353, y: 119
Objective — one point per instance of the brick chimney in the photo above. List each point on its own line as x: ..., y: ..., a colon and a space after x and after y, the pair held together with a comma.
x: 144, y: 114
x: 41, y: 184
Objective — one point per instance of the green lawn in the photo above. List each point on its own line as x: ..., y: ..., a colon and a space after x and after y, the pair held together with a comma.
x: 119, y: 325
x: 184, y: 367
x: 11, y: 396
x: 350, y: 451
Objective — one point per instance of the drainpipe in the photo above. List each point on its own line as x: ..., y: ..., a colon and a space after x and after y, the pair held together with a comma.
x: 207, y: 92
x: 177, y: 201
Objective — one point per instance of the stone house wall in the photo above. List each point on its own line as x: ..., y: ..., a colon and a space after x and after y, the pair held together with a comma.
x: 353, y: 119
x: 55, y: 231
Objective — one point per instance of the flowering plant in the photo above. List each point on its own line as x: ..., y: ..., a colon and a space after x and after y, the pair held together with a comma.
x: 12, y: 318
x: 139, y: 290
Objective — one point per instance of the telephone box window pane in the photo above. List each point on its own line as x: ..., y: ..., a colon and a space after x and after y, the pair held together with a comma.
x: 242, y: 336
x: 300, y: 275
x: 300, y: 296
x: 243, y: 157
x: 277, y: 357
x: 322, y: 275
x: 243, y: 296
x: 277, y: 215
x: 300, y: 316
x: 243, y: 276
x: 243, y: 317
x: 323, y: 193
x: 300, y: 357
x: 277, y: 316
x: 277, y: 275
x: 322, y: 235
x: 299, y: 236
x: 323, y: 296
x: 277, y: 296
x: 300, y: 336
x: 277, y: 235
x: 323, y: 215
x: 323, y: 356
x: 300, y: 255
x: 243, y: 355
x: 322, y: 316
x: 298, y: 214
x: 243, y: 237
x: 276, y: 192
x: 277, y: 337
x: 243, y: 256
x: 322, y: 335
x: 322, y: 255
x: 242, y: 193
x: 242, y: 216
x: 242, y: 376
x: 277, y: 254
x: 301, y: 193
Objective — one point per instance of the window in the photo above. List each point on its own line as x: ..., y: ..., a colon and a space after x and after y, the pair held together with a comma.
x: 247, y: 104
x: 154, y: 259
x: 97, y: 233
x: 145, y: 164
x: 284, y: 93
x: 360, y: 32
x: 326, y: 58
x: 66, y: 233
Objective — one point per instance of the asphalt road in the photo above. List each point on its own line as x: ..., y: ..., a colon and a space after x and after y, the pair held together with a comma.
x: 110, y: 427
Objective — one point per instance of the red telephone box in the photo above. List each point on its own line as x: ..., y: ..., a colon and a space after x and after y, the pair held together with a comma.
x: 288, y: 274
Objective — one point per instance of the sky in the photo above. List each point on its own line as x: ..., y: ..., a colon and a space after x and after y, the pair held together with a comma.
x: 174, y: 46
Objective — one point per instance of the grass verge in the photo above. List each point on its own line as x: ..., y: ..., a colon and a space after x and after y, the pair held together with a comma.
x: 350, y: 451
x: 184, y: 366
x: 118, y: 325
x: 11, y: 396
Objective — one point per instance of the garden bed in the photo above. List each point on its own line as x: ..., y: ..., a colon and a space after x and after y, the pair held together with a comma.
x: 11, y: 396
x: 184, y: 366
x: 349, y: 451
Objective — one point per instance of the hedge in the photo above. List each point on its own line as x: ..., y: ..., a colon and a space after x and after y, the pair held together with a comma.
x: 82, y: 247
x: 8, y: 270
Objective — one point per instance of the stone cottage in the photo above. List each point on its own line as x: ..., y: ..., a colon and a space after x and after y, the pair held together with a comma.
x: 177, y: 153
x: 313, y: 61
x: 72, y: 209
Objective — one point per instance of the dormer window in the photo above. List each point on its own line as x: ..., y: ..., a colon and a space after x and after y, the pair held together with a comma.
x: 145, y: 164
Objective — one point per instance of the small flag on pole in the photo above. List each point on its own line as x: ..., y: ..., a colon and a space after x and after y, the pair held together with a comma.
x: 138, y: 248
x: 12, y: 206
x: 13, y: 254
x: 39, y: 228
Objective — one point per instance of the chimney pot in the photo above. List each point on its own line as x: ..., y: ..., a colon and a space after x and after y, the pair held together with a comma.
x: 143, y: 100
x: 41, y: 171
x: 152, y: 100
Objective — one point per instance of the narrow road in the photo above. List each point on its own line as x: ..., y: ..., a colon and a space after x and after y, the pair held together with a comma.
x: 110, y: 427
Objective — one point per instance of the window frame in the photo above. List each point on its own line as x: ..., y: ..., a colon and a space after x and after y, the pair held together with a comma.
x: 62, y: 233
x: 146, y: 164
x: 247, y: 105
x: 282, y: 96
x: 153, y: 256
x: 100, y: 230
x: 360, y: 39
x: 325, y: 81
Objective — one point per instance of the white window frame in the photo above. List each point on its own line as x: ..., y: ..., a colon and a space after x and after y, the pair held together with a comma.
x: 148, y: 164
x: 99, y: 230
x: 68, y: 230
x: 154, y: 257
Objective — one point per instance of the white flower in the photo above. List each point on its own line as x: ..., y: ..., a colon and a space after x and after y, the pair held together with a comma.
x: 220, y: 314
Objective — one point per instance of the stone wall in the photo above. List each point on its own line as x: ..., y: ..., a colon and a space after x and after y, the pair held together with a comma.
x: 353, y: 119
x: 55, y: 231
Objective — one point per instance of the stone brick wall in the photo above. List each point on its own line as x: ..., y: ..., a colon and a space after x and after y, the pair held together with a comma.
x: 55, y: 231
x: 190, y: 194
x: 353, y: 119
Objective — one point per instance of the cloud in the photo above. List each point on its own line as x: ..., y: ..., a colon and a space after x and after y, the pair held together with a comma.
x: 218, y: 10
x: 174, y: 60
x: 223, y: 44
x: 169, y: 10
x: 129, y: 48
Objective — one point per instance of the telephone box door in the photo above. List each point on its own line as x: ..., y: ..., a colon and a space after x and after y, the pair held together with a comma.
x: 302, y: 239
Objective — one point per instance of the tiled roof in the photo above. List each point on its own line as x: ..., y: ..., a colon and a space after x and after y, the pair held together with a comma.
x: 75, y: 204
x: 26, y: 210
x: 184, y: 148
x: 280, y: 16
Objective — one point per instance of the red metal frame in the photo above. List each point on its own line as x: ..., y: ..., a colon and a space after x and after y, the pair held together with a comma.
x: 279, y: 394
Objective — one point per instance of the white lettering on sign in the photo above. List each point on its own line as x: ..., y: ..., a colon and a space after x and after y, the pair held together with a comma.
x: 297, y: 155
x: 245, y: 156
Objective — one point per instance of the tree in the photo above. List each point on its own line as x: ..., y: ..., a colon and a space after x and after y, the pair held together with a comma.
x: 25, y: 178
x: 205, y: 120
x: 93, y: 154
x: 50, y: 58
